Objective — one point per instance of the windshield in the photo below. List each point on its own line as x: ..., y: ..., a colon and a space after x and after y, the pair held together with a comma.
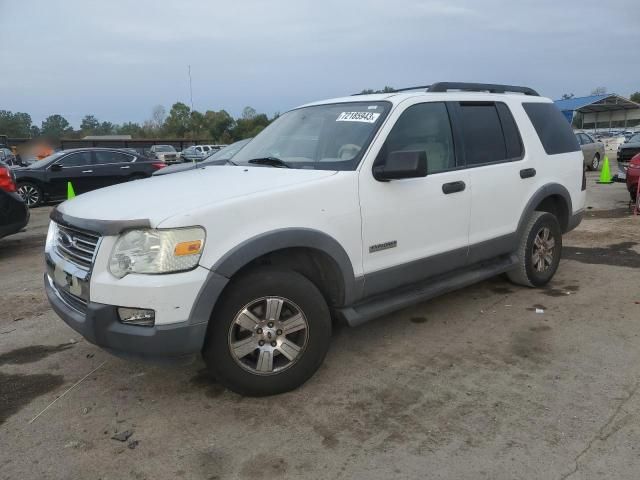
x: 227, y: 152
x: 320, y: 137
x: 635, y: 138
x: 165, y: 148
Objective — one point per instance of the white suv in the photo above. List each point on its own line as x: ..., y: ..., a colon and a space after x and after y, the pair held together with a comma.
x: 348, y: 208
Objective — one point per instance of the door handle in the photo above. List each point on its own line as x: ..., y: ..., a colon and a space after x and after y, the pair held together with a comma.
x: 527, y: 172
x: 124, y: 168
x: 87, y: 171
x: 453, y: 187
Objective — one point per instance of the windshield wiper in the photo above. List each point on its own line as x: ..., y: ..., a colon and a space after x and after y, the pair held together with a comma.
x: 271, y: 161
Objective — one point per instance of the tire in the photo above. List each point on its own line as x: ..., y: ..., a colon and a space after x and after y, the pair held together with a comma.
x: 31, y: 193
x: 595, y: 162
x: 528, y: 272
x: 248, y: 370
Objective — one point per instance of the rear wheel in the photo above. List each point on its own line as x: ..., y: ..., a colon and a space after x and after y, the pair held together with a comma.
x: 538, y: 252
x: 31, y: 193
x: 269, y: 334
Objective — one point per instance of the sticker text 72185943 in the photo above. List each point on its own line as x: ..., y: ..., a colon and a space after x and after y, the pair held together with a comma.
x: 366, y: 117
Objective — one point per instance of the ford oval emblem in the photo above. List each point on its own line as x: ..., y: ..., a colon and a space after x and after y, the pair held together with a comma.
x: 65, y: 239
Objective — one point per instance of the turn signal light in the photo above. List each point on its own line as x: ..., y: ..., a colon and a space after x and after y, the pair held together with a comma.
x: 188, y: 248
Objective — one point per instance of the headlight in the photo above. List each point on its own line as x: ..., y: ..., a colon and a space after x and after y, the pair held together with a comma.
x: 157, y: 251
x: 51, y: 235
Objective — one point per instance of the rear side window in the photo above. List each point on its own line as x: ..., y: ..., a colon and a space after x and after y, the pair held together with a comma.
x: 552, y: 128
x: 489, y: 132
x: 483, y: 139
x: 106, y: 157
x: 512, y: 139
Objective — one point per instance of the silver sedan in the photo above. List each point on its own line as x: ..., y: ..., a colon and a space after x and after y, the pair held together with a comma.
x: 592, y: 150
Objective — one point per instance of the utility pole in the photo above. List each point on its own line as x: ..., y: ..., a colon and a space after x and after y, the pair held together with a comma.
x: 190, y: 89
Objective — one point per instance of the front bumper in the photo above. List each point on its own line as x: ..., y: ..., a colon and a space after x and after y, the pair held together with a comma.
x: 100, y: 325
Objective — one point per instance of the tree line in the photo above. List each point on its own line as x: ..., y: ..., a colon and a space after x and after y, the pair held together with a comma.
x: 181, y: 122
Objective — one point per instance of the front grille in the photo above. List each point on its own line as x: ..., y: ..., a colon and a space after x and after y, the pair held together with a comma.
x: 72, y: 301
x: 77, y: 246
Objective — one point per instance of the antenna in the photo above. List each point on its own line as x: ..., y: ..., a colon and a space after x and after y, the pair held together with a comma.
x: 190, y: 89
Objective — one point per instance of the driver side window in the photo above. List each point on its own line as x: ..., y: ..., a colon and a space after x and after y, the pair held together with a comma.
x: 79, y: 159
x: 424, y: 127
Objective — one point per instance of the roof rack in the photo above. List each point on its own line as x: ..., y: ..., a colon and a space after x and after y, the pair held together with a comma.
x: 467, y: 87
x: 481, y: 87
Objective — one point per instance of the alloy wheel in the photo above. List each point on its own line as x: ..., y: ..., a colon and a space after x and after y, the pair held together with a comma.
x: 30, y: 194
x: 543, y: 250
x: 268, y: 335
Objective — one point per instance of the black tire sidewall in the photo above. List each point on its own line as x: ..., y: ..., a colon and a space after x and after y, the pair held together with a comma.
x: 536, y: 278
x: 241, y: 291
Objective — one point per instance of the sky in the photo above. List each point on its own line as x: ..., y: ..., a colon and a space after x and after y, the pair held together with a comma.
x: 118, y: 59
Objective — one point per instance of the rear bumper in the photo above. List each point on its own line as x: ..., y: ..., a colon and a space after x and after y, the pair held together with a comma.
x: 15, y: 227
x: 100, y: 325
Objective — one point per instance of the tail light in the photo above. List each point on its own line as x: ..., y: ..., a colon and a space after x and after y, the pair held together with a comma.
x: 158, y: 165
x: 6, y: 180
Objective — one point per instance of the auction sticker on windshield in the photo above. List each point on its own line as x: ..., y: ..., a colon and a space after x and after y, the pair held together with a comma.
x: 366, y: 117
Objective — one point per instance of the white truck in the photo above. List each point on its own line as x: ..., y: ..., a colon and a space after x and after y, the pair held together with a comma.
x: 340, y: 210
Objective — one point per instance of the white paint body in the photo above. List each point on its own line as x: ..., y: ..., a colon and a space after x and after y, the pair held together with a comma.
x: 234, y: 204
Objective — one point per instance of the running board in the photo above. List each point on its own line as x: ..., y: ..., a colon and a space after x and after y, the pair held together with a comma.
x: 390, y: 302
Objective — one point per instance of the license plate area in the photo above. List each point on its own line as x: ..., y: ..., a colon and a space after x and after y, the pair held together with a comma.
x: 68, y: 278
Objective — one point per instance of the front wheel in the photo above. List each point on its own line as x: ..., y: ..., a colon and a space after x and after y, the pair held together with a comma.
x: 269, y: 334
x: 538, y: 252
x: 31, y: 193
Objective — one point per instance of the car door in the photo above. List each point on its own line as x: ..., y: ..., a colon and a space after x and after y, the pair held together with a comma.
x: 75, y: 168
x: 111, y: 167
x: 501, y: 175
x: 418, y: 227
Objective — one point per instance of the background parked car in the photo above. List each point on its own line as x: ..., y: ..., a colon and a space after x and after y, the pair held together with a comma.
x: 7, y: 156
x: 86, y: 168
x: 220, y: 157
x: 14, y: 214
x: 633, y: 176
x: 592, y: 150
x: 626, y: 152
x: 195, y: 153
x: 164, y: 153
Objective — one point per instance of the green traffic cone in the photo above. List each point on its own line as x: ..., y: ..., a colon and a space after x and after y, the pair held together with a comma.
x: 605, y: 173
x: 70, y: 193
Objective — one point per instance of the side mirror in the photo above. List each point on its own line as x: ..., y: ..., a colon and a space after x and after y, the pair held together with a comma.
x: 56, y: 167
x: 398, y: 165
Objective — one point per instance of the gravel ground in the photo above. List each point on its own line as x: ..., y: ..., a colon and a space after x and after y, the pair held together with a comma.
x: 493, y: 381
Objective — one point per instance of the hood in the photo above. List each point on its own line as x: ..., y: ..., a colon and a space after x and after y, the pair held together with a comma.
x: 180, y: 167
x: 160, y: 197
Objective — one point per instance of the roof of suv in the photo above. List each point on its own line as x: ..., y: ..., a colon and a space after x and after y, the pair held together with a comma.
x: 398, y: 97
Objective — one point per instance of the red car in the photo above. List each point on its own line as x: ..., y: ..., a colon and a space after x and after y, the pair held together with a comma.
x: 633, y: 176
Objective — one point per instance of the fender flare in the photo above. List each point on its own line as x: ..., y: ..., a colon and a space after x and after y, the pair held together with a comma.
x: 542, y: 193
x: 268, y: 242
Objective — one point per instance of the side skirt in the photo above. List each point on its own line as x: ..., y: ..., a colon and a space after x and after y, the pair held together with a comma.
x: 383, y: 304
